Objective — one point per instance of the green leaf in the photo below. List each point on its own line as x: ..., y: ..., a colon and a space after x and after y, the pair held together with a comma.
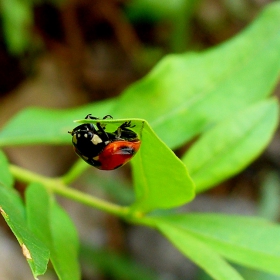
x: 35, y: 252
x: 247, y: 241
x: 184, y: 94
x: 40, y: 126
x: 231, y: 145
x: 161, y: 180
x: 197, y: 251
x: 17, y: 19
x: 65, y: 245
x: 52, y: 225
x: 37, y: 212
x: 6, y: 178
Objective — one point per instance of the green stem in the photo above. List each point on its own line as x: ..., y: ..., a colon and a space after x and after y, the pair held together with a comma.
x: 78, y: 168
x: 59, y: 187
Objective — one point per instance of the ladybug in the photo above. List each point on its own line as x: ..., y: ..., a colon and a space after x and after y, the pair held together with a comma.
x: 105, y: 150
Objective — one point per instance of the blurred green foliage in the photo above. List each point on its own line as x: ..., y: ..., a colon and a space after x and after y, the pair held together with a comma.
x: 218, y: 100
x: 17, y: 23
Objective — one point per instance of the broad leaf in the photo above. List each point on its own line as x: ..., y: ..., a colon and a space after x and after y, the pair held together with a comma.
x: 230, y: 146
x: 161, y: 180
x: 52, y: 225
x: 198, y: 252
x: 186, y: 93
x: 247, y: 241
x: 35, y: 252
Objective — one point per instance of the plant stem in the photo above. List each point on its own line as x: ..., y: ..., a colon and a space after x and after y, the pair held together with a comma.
x: 78, y: 168
x: 58, y: 186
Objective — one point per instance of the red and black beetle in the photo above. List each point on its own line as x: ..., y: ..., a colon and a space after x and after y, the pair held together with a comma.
x: 105, y: 150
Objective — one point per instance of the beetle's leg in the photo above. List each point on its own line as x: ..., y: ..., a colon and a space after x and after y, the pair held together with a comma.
x: 104, y: 118
x: 124, y: 131
x: 100, y: 126
x: 124, y: 128
x: 118, y: 132
x: 101, y: 129
x: 89, y: 116
x: 126, y: 125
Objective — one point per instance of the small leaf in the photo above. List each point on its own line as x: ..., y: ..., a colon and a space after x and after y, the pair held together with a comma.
x: 35, y: 252
x: 6, y: 178
x: 37, y: 212
x: 54, y: 227
x: 248, y: 241
x: 230, y: 146
x: 64, y: 254
x: 197, y: 251
x: 161, y: 180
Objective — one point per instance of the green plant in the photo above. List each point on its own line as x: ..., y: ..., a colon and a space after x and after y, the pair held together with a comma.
x: 221, y: 95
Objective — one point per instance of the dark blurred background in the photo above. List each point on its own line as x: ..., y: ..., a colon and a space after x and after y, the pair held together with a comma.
x: 65, y: 53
